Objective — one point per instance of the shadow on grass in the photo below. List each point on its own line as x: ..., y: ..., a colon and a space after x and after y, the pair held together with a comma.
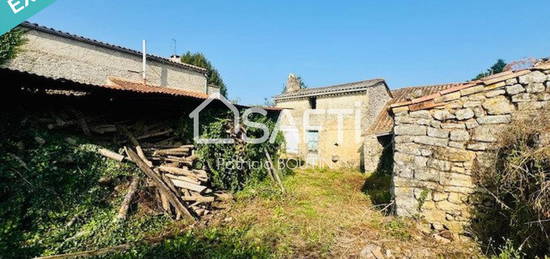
x: 377, y: 187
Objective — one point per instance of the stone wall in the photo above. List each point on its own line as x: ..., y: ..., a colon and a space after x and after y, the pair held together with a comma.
x: 440, y: 140
x: 54, y: 56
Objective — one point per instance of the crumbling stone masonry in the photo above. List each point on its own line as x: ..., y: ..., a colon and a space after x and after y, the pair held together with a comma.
x: 440, y: 139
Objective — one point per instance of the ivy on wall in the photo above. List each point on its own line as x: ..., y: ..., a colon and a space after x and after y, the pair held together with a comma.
x: 9, y: 44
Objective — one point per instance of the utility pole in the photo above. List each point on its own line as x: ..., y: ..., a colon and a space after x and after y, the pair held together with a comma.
x: 144, y: 62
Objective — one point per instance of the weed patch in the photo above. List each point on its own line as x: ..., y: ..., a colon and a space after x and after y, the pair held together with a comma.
x: 518, y: 183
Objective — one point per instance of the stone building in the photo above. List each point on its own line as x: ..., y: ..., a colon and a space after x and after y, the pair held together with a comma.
x: 441, y: 138
x: 55, y: 54
x: 326, y: 126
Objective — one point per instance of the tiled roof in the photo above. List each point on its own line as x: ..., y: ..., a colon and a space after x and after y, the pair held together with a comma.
x: 125, y: 85
x: 70, y: 36
x: 383, y: 124
x: 492, y: 81
x: 116, y: 84
x: 335, y: 89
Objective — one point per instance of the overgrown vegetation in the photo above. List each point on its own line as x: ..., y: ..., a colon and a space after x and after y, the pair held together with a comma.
x: 234, y: 166
x: 9, y: 44
x: 57, y: 195
x: 518, y: 182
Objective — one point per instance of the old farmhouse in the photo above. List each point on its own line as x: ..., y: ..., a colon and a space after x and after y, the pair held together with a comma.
x: 326, y: 126
x: 360, y: 112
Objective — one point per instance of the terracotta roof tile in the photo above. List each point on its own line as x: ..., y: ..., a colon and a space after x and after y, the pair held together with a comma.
x: 125, y: 85
x: 383, y: 123
x: 488, y: 82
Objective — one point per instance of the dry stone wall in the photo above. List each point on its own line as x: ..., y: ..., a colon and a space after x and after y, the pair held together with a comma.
x: 439, y: 142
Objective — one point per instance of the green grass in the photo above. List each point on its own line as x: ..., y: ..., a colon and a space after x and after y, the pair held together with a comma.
x: 324, y: 213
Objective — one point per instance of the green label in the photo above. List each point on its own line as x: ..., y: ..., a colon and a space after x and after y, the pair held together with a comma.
x: 14, y: 12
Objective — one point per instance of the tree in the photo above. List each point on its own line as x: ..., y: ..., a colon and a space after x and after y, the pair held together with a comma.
x: 214, y: 78
x: 494, y: 69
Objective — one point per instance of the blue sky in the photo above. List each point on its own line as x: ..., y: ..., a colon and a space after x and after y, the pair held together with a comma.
x: 255, y: 44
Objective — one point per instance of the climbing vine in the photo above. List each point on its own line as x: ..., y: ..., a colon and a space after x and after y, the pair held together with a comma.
x: 10, y: 43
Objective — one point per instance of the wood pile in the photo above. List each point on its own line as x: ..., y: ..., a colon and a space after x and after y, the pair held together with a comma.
x: 169, y: 164
x: 183, y: 188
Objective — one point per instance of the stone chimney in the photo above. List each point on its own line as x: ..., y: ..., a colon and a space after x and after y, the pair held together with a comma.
x: 175, y: 58
x: 293, y: 83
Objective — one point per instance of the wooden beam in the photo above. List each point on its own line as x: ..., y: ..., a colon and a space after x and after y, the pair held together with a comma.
x: 161, y: 185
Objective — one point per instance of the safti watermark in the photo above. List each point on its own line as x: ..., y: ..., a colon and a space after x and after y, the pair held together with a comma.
x: 286, y: 163
x: 285, y: 122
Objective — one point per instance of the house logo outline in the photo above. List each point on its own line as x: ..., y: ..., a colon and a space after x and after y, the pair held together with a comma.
x: 195, y: 115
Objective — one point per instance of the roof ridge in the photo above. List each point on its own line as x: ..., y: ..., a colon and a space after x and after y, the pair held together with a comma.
x: 340, y: 88
x: 104, y: 44
x: 350, y: 83
x: 431, y: 85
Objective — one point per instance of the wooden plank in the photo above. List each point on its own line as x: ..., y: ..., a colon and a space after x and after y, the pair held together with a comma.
x: 155, y: 134
x: 161, y: 185
x: 165, y: 203
x: 123, y: 211
x: 110, y: 154
x: 173, y: 159
x: 201, y: 199
x: 188, y: 185
x: 167, y: 180
x: 201, y: 173
x: 172, y: 151
x: 183, y: 178
x: 272, y: 168
x: 177, y: 171
x: 134, y: 142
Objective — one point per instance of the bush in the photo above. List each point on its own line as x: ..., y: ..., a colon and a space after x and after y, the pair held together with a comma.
x: 518, y: 183
x: 231, y: 165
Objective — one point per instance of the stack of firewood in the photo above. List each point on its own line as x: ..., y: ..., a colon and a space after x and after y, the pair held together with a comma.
x: 181, y: 184
x: 168, y: 163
